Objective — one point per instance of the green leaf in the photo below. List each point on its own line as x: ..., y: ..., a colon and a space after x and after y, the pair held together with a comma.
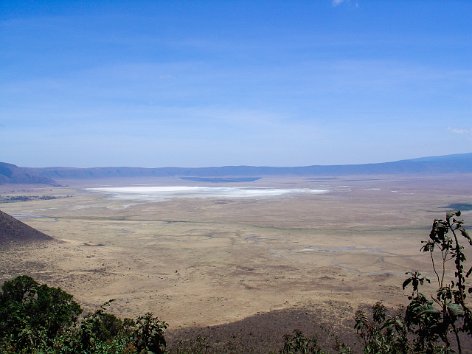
x: 465, y: 234
x: 430, y: 310
x: 455, y: 309
x: 406, y: 282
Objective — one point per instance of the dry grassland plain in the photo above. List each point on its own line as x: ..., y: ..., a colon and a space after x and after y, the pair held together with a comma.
x: 209, y: 261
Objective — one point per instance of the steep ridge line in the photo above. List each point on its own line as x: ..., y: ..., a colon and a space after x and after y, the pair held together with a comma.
x: 15, y: 232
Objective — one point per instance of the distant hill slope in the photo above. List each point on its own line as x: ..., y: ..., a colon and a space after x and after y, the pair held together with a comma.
x: 459, y: 163
x: 13, y: 231
x: 13, y: 174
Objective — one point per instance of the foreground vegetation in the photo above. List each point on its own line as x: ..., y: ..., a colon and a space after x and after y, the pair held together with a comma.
x: 36, y: 318
x: 39, y: 318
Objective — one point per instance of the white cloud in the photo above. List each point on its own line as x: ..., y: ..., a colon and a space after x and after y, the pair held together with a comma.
x: 337, y: 2
x: 461, y: 131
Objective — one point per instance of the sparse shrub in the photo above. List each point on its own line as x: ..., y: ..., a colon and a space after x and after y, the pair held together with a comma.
x: 100, y: 332
x: 434, y: 323
x: 384, y: 333
x: 297, y: 343
x: 434, y: 320
x: 148, y: 334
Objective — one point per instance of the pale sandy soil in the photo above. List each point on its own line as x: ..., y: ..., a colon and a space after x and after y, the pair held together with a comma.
x: 200, y: 262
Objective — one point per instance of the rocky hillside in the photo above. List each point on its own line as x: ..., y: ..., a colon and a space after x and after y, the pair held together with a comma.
x: 13, y: 231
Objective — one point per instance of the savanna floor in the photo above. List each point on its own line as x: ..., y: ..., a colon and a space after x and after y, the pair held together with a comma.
x: 209, y: 262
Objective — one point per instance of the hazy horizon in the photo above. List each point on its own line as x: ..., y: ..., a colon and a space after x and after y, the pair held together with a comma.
x: 224, y: 166
x: 213, y: 83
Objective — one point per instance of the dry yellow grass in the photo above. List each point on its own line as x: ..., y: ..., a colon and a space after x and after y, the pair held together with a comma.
x: 211, y: 261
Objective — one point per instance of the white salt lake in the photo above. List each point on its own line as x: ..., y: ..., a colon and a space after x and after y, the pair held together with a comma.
x: 161, y: 193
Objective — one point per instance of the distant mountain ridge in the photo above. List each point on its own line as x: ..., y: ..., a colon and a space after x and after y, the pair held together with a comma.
x: 10, y: 173
x: 458, y: 163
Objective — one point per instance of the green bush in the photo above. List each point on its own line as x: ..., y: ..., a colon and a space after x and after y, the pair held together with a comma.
x: 37, y: 318
x: 437, y: 321
x: 298, y: 343
x: 384, y: 333
x: 434, y: 323
x: 33, y: 315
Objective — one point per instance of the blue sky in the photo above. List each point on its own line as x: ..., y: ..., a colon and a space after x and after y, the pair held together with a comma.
x: 211, y: 83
